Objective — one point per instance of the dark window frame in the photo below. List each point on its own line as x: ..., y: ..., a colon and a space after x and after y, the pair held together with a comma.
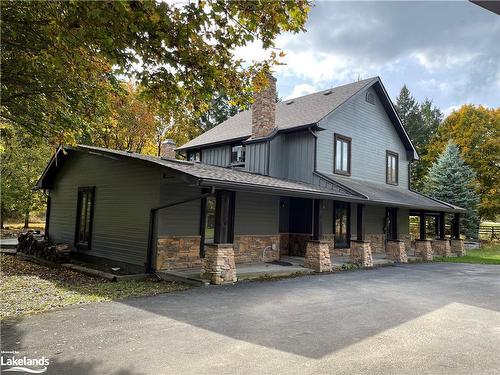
x: 370, y: 98
x: 86, y: 245
x: 230, y: 221
x: 344, y: 205
x: 193, y: 152
x: 238, y: 163
x: 347, y: 140
x: 388, y: 154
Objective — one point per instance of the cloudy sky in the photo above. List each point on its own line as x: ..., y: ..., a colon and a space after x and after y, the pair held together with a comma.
x: 447, y: 51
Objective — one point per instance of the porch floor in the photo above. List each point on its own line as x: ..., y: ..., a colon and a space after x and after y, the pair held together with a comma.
x: 287, y: 266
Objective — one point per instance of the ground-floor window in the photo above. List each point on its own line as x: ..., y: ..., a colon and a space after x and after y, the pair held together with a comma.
x: 210, y: 220
x: 217, y: 219
x: 341, y: 222
x: 84, y: 217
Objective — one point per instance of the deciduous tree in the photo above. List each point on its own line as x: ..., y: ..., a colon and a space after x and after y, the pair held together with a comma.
x: 476, y: 131
x: 59, y: 59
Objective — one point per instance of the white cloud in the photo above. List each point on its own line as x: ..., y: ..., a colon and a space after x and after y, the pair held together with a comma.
x: 301, y: 90
x: 447, y: 111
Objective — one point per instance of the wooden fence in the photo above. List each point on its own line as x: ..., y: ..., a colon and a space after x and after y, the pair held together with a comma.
x: 489, y: 232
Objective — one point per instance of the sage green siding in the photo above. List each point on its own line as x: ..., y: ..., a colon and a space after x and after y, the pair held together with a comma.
x: 125, y: 191
x: 256, y: 214
x: 182, y: 219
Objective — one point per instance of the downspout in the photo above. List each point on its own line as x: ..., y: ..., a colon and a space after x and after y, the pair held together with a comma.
x: 152, y: 225
x: 315, y: 147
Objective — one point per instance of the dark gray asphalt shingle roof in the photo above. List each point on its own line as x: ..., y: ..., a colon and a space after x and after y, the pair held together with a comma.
x: 305, y: 110
x: 211, y: 173
x: 348, y: 189
x: 392, y: 195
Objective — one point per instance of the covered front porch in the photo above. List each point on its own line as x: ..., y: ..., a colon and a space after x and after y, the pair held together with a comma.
x: 241, y: 234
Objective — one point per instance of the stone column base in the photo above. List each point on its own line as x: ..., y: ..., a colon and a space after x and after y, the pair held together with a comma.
x: 396, y: 251
x: 318, y: 256
x: 458, y: 248
x: 361, y: 253
x: 441, y: 247
x: 218, y: 265
x: 423, y: 248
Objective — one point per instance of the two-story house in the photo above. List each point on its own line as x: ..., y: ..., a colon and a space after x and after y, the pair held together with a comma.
x: 316, y: 176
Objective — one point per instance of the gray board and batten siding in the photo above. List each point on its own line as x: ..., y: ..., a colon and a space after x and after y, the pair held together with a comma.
x: 372, y: 133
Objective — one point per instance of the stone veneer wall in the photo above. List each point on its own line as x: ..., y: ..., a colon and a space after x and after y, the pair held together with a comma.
x: 441, y: 247
x: 406, y: 238
x: 423, y: 249
x: 173, y: 252
x: 318, y: 256
x: 457, y: 247
x: 361, y: 253
x: 218, y: 265
x: 377, y: 242
x: 256, y: 248
x: 330, y: 240
x: 396, y: 251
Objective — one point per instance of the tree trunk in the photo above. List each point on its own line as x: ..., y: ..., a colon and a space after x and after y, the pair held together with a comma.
x: 1, y: 215
x: 26, y: 219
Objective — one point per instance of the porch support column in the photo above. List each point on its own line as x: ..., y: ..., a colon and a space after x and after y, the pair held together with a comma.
x: 442, y: 223
x: 456, y: 227
x: 361, y: 253
x: 317, y: 219
x: 360, y: 222
x: 422, y: 225
x: 317, y: 251
x: 423, y: 248
x: 218, y: 265
x: 457, y: 244
x: 441, y: 246
x: 318, y: 256
x: 396, y: 251
x: 224, y: 216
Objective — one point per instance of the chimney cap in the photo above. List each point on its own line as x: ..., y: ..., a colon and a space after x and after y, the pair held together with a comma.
x: 168, y: 141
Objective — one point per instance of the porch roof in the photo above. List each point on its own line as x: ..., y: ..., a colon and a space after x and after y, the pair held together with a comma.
x: 393, y: 195
x: 230, y: 178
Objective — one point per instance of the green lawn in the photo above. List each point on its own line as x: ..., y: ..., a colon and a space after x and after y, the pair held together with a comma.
x: 488, y: 254
x: 27, y: 288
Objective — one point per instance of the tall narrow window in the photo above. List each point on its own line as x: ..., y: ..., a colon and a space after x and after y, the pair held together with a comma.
x: 210, y: 220
x: 84, y: 217
x: 238, y: 154
x: 342, y: 227
x: 342, y: 155
x: 392, y: 165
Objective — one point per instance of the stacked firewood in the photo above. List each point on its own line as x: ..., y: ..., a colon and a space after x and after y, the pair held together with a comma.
x: 31, y: 244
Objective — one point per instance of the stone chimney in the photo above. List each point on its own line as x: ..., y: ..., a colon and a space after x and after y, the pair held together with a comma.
x: 167, y: 149
x: 264, y: 109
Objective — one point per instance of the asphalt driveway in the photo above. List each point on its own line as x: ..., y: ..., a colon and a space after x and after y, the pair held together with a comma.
x: 424, y: 318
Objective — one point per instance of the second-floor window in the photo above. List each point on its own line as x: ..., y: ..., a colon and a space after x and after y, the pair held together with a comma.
x: 392, y: 161
x: 342, y: 155
x: 238, y: 154
x: 194, y: 156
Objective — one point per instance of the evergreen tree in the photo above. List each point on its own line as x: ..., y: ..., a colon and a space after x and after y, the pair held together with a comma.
x: 451, y: 180
x: 421, y: 121
x: 409, y: 113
